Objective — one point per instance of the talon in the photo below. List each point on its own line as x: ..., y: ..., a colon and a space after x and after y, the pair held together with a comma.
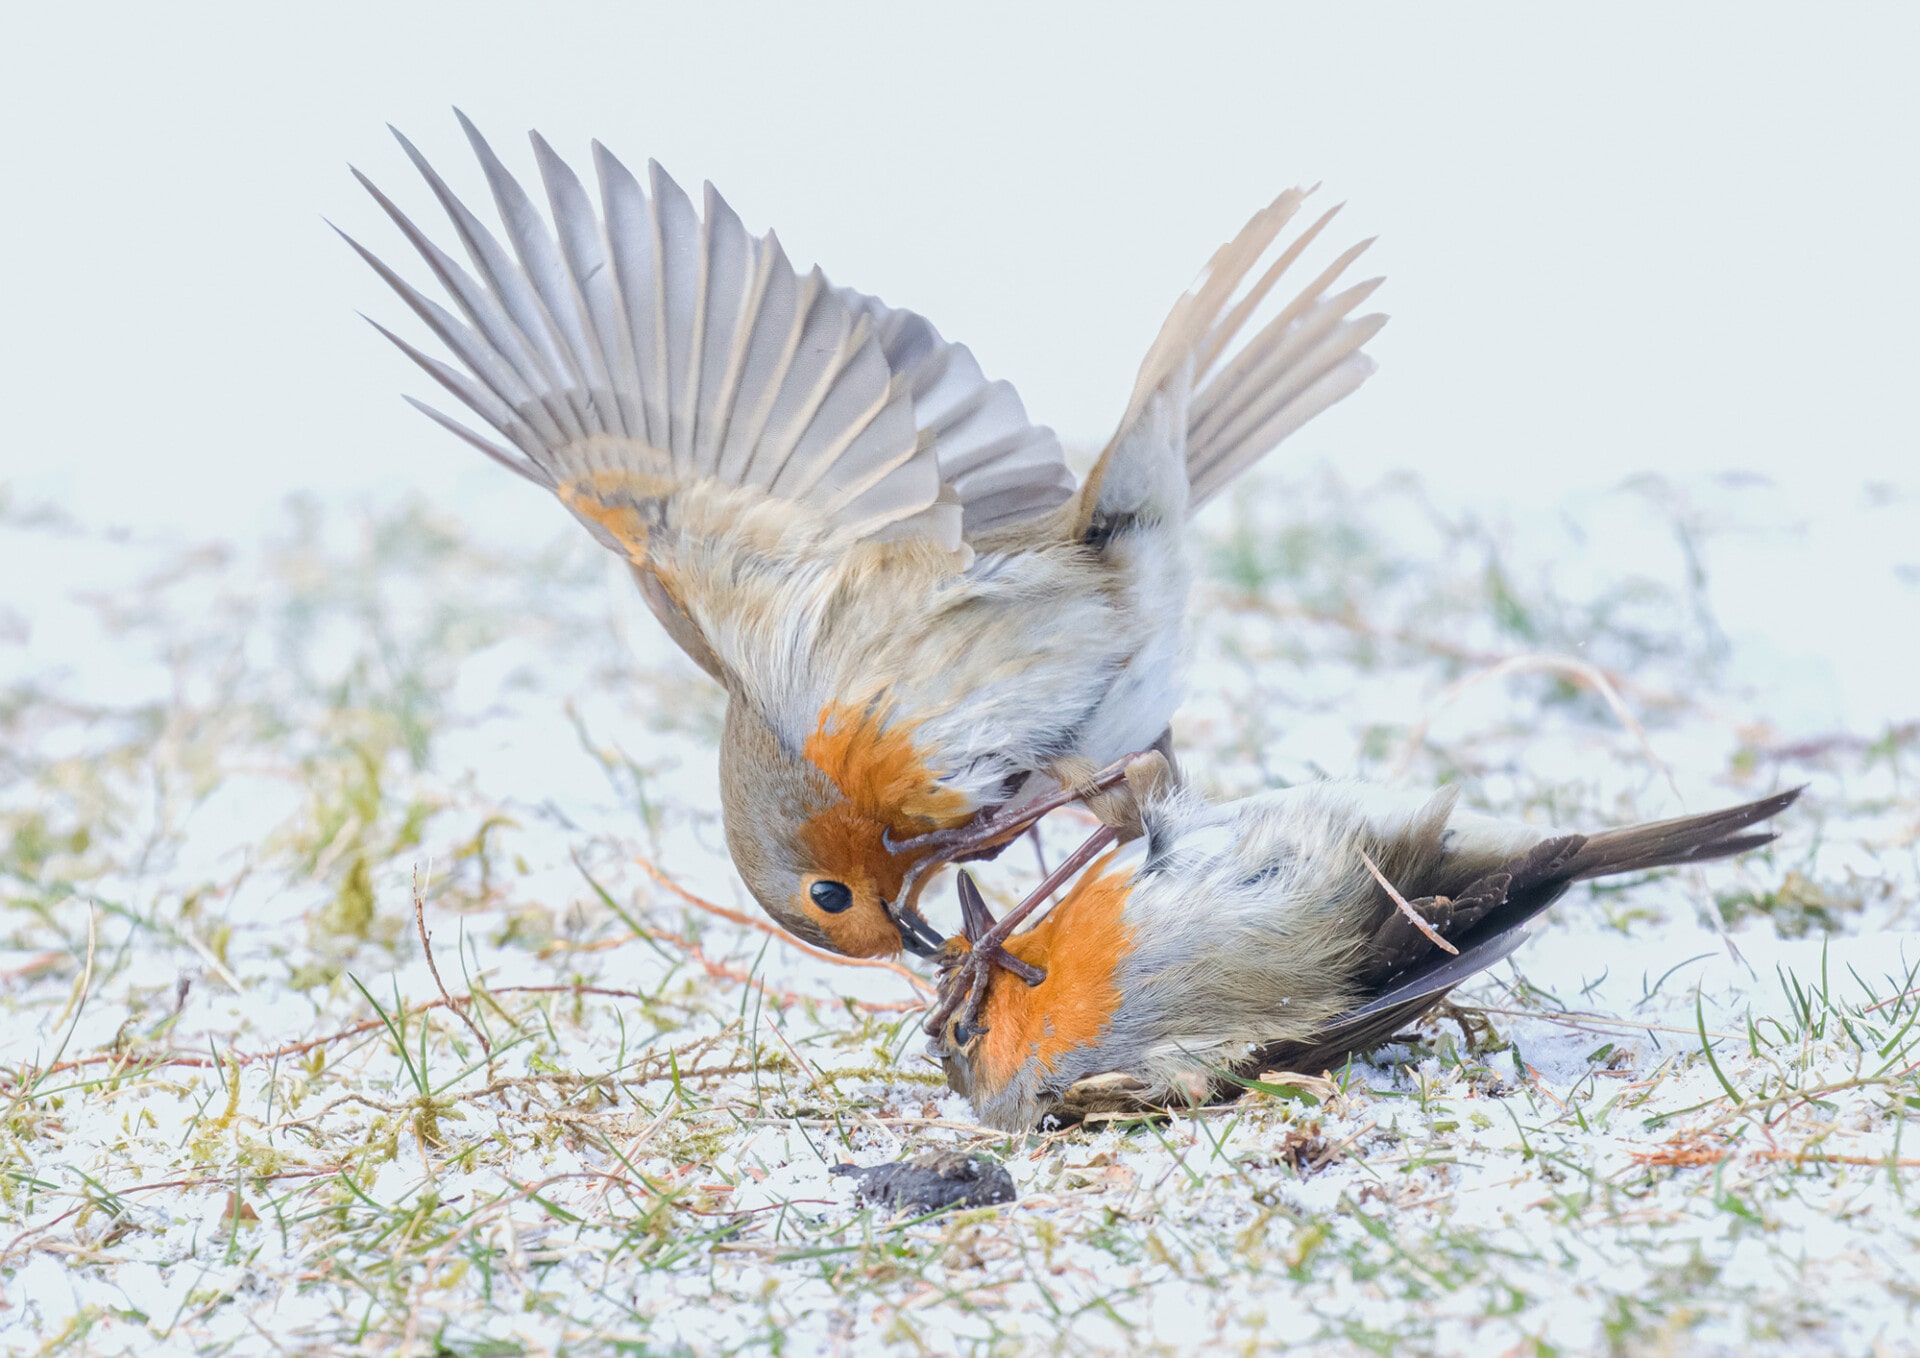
x: 1026, y: 971
x: 976, y: 920
x: 892, y: 845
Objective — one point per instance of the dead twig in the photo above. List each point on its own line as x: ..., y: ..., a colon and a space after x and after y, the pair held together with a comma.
x: 426, y: 946
x: 201, y: 1061
x: 805, y: 1065
x: 1694, y: 1153
x: 1393, y: 893
x: 725, y: 972
x: 1331, y: 1153
x: 1350, y: 620
x: 1601, y: 1023
x: 206, y: 1181
x: 1534, y: 1078
x: 35, y: 967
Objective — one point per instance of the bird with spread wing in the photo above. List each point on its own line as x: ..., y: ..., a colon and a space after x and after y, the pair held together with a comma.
x: 928, y: 632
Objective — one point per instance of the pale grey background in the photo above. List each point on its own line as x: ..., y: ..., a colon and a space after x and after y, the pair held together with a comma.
x: 1620, y: 239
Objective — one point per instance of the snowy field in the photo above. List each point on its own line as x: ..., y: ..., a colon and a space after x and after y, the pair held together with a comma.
x: 246, y: 1111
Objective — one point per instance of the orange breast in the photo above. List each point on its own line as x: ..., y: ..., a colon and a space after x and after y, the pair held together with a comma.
x: 881, y: 771
x: 1081, y: 944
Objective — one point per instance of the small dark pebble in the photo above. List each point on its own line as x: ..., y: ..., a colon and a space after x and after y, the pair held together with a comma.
x: 930, y: 1180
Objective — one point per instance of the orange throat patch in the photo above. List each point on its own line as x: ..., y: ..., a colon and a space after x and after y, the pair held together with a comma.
x: 888, y: 788
x: 1081, y: 944
x: 879, y: 769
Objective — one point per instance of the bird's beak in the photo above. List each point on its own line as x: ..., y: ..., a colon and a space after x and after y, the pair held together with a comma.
x: 916, y: 935
x: 975, y: 918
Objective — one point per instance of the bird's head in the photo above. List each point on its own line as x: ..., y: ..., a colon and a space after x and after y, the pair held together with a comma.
x: 1026, y: 1043
x: 809, y: 831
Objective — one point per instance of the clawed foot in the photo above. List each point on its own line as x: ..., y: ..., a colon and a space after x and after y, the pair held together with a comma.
x: 985, y: 951
x: 967, y: 968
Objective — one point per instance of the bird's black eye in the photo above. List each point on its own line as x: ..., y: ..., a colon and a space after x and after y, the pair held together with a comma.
x: 832, y: 897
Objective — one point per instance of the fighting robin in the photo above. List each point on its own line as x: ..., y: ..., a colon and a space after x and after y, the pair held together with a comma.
x: 1284, y: 931
x: 929, y: 635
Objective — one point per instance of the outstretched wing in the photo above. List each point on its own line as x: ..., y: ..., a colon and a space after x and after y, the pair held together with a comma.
x: 623, y: 355
x: 663, y: 344
x: 1211, y: 398
x: 1002, y: 468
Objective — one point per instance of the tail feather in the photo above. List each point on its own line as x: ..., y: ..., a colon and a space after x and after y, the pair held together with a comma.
x: 1684, y: 839
x: 1484, y: 937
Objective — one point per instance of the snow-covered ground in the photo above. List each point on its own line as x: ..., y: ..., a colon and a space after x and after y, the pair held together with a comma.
x: 242, y: 1112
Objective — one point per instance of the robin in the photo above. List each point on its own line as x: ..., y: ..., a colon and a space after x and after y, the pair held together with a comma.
x: 929, y: 634
x: 1284, y: 931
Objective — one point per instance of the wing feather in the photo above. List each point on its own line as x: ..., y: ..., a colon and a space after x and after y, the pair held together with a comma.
x: 731, y: 272
x: 631, y: 248
x: 678, y: 237
x: 548, y: 368
x: 1214, y: 408
x: 973, y: 423
x: 492, y: 348
x: 653, y: 339
x: 554, y: 304
x: 594, y: 284
x: 770, y: 345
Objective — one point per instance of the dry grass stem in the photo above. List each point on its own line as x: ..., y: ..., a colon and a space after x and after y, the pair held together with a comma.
x: 1406, y: 908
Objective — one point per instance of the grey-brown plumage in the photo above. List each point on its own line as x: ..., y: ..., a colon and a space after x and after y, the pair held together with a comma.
x: 1488, y: 919
x: 918, y: 615
x: 1237, y: 938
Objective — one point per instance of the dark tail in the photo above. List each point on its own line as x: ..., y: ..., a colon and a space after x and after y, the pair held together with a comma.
x: 1500, y: 911
x: 1684, y: 839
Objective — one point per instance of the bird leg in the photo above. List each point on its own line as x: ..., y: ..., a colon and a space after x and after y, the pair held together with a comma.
x: 976, y: 922
x: 963, y: 989
x: 987, y: 835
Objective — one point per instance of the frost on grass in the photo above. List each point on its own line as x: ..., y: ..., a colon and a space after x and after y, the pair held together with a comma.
x: 240, y: 1107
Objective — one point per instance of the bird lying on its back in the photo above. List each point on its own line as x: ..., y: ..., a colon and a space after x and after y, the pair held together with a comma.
x: 924, y: 627
x: 1255, y: 936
